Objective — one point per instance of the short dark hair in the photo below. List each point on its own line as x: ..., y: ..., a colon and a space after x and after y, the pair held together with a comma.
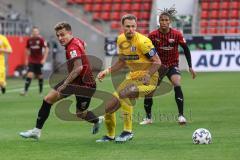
x: 63, y: 25
x: 129, y: 17
x: 35, y: 27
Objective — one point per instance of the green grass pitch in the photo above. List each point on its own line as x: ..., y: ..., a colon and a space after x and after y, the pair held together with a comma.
x: 212, y: 101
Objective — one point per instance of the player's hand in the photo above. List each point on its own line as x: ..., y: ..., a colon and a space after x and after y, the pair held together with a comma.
x: 193, y: 73
x: 145, y: 79
x: 102, y: 74
x: 43, y: 61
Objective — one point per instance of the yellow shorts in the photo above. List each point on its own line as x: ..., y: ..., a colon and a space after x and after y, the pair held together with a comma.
x: 2, y: 76
x: 142, y: 88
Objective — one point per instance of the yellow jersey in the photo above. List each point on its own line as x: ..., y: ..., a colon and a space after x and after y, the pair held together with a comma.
x: 4, y: 44
x: 133, y: 52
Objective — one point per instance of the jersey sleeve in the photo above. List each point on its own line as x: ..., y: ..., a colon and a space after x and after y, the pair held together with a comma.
x: 28, y: 44
x: 147, y: 48
x: 74, y: 51
x: 181, y: 39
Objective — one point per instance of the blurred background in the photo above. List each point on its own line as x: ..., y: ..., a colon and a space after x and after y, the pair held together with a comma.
x: 210, y: 27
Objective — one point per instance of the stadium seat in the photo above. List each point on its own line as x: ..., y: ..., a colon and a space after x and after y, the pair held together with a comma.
x: 88, y: 7
x: 136, y: 7
x: 147, y: 6
x: 116, y: 16
x: 71, y: 2
x: 96, y: 16
x: 212, y: 30
x: 233, y: 23
x: 221, y: 30
x: 204, y: 14
x: 214, y: 5
x: 115, y: 25
x: 224, y: 5
x: 144, y: 15
x: 98, y: 1
x: 234, y: 5
x: 97, y: 7
x: 213, y: 23
x: 203, y: 31
x: 116, y: 7
x: 231, y: 30
x: 127, y: 1
x: 105, y: 16
x: 136, y: 13
x: 126, y: 7
x: 223, y: 14
x: 222, y: 23
x: 79, y: 1
x: 203, y: 23
x: 107, y: 1
x: 234, y: 14
x: 205, y: 6
x: 107, y: 7
x: 89, y: 1
x: 214, y: 14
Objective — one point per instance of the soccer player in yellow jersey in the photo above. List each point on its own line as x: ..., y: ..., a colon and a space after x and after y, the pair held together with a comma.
x: 137, y: 53
x: 5, y: 48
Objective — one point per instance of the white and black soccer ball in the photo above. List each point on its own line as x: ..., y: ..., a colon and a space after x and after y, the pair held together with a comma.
x: 202, y: 136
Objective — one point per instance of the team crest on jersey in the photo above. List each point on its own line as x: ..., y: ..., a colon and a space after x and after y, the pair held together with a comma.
x: 133, y: 48
x: 73, y: 53
x: 171, y: 40
x: 38, y: 42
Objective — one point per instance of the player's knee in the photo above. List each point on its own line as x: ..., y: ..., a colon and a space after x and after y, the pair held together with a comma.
x: 50, y: 99
x: 130, y: 91
x: 30, y: 75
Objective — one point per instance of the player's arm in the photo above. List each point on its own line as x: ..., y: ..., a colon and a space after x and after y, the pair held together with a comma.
x: 116, y: 67
x: 77, y: 68
x: 6, y: 46
x: 187, y: 54
x: 45, y: 54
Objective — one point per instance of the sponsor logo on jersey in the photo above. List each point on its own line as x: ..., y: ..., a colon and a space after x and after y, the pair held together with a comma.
x: 167, y: 48
x: 133, y: 48
x: 171, y: 40
x: 129, y: 57
x: 73, y: 53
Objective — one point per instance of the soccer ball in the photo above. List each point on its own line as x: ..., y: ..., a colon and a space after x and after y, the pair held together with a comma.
x: 201, y: 136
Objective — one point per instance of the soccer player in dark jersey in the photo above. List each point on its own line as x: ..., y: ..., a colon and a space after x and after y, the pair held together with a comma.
x: 80, y: 78
x: 166, y: 40
x: 37, y: 52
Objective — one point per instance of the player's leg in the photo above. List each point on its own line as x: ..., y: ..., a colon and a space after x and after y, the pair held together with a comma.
x: 2, y: 80
x: 28, y: 80
x: 175, y: 78
x: 43, y: 113
x: 38, y: 72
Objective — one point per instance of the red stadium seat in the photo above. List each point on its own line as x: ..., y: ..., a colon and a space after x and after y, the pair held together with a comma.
x: 115, y: 25
x: 79, y: 1
x: 96, y: 16
x: 88, y: 7
x: 221, y: 30
x: 204, y: 14
x: 136, y: 6
x: 233, y: 14
x: 224, y: 5
x: 213, y: 23
x: 97, y: 7
x: 71, y: 2
x: 234, y: 5
x: 136, y: 13
x: 116, y: 16
x: 144, y: 15
x: 233, y: 23
x: 107, y: 1
x: 203, y: 31
x: 98, y: 1
x: 105, y: 16
x: 222, y: 23
x: 205, y: 6
x: 214, y: 14
x: 117, y: 1
x: 203, y: 23
x: 212, y: 30
x: 143, y: 23
x: 116, y: 7
x: 214, y: 5
x: 107, y: 7
x: 147, y: 6
x: 231, y: 30
x: 126, y: 6
x: 223, y: 14
x: 127, y: 1
x: 89, y: 1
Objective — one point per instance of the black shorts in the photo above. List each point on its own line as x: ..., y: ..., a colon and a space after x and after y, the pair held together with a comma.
x: 35, y: 68
x: 82, y: 93
x: 171, y: 71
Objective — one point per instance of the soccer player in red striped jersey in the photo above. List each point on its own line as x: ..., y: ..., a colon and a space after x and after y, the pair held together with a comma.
x: 166, y: 40
x: 79, y: 79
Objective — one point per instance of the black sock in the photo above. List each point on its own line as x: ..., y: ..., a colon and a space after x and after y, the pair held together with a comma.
x: 27, y: 83
x: 148, y: 107
x: 40, y: 83
x: 3, y: 90
x: 43, y: 114
x: 179, y: 99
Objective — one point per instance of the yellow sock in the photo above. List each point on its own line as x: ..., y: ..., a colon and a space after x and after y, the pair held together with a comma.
x: 110, y: 122
x: 127, y: 110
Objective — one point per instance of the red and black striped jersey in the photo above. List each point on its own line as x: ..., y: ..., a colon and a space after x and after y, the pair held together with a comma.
x: 166, y: 45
